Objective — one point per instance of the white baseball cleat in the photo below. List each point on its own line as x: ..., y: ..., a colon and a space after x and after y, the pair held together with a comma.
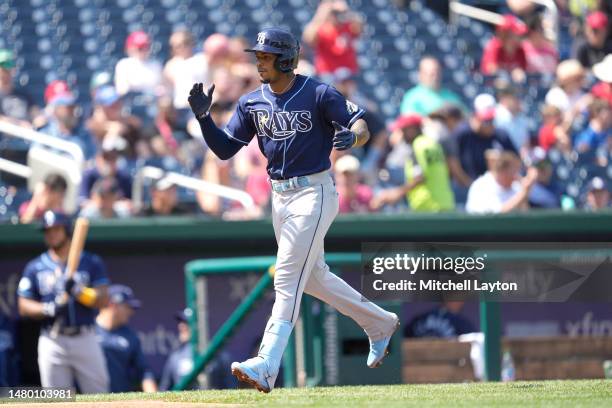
x: 253, y: 372
x: 261, y: 371
x: 380, y: 348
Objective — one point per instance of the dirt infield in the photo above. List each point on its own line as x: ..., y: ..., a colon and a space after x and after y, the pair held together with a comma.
x: 122, y: 404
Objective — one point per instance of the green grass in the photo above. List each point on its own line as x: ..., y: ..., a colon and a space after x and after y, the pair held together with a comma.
x: 582, y: 393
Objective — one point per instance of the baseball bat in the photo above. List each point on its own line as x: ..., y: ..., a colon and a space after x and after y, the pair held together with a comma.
x: 81, y: 227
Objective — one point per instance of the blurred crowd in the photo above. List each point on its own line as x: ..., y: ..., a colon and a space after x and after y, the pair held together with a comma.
x: 443, y: 152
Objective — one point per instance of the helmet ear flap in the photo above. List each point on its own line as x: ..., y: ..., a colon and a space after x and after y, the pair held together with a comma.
x: 288, y: 62
x: 283, y: 65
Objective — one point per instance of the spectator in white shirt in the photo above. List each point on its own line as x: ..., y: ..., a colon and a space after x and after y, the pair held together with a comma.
x: 138, y: 72
x: 499, y: 190
x: 182, y: 70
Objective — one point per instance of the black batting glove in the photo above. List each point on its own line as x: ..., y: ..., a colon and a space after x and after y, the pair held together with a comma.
x: 199, y: 101
x: 343, y: 138
x: 72, y: 288
x: 69, y: 285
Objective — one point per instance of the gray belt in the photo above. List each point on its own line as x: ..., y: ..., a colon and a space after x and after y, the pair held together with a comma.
x: 71, y: 330
x: 280, y: 186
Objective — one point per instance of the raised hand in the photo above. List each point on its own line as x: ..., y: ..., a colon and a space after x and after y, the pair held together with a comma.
x: 199, y: 101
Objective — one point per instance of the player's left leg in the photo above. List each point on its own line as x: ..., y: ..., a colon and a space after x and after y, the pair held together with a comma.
x: 89, y: 363
x: 378, y: 324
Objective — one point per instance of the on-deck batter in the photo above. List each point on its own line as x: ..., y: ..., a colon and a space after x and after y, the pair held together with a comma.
x: 297, y: 120
x: 68, y: 351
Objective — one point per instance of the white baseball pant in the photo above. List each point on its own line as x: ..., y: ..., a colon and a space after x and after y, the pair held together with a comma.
x: 63, y: 359
x: 301, y: 219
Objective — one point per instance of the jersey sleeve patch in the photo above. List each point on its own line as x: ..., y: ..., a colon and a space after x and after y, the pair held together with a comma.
x: 25, y: 287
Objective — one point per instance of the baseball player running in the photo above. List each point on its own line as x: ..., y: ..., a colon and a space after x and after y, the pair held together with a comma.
x: 297, y: 120
x: 67, y: 347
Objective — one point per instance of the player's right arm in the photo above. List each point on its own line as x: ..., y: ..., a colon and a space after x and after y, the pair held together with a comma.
x: 28, y: 298
x: 221, y: 143
x: 31, y: 308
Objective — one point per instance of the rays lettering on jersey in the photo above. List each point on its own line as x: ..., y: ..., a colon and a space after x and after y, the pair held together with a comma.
x: 281, y: 125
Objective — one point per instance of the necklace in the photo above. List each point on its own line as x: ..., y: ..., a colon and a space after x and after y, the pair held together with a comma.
x: 287, y: 87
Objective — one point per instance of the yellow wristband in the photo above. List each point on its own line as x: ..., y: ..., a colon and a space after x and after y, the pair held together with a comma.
x: 87, y: 297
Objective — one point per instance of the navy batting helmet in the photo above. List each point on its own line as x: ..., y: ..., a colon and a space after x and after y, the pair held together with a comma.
x: 55, y: 218
x: 279, y: 42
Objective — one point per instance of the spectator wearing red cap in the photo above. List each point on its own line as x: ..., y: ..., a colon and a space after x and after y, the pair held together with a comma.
x: 478, y: 135
x: 504, y: 52
x: 427, y: 185
x: 56, y: 87
x: 137, y: 72
x: 332, y: 33
x: 595, y: 48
